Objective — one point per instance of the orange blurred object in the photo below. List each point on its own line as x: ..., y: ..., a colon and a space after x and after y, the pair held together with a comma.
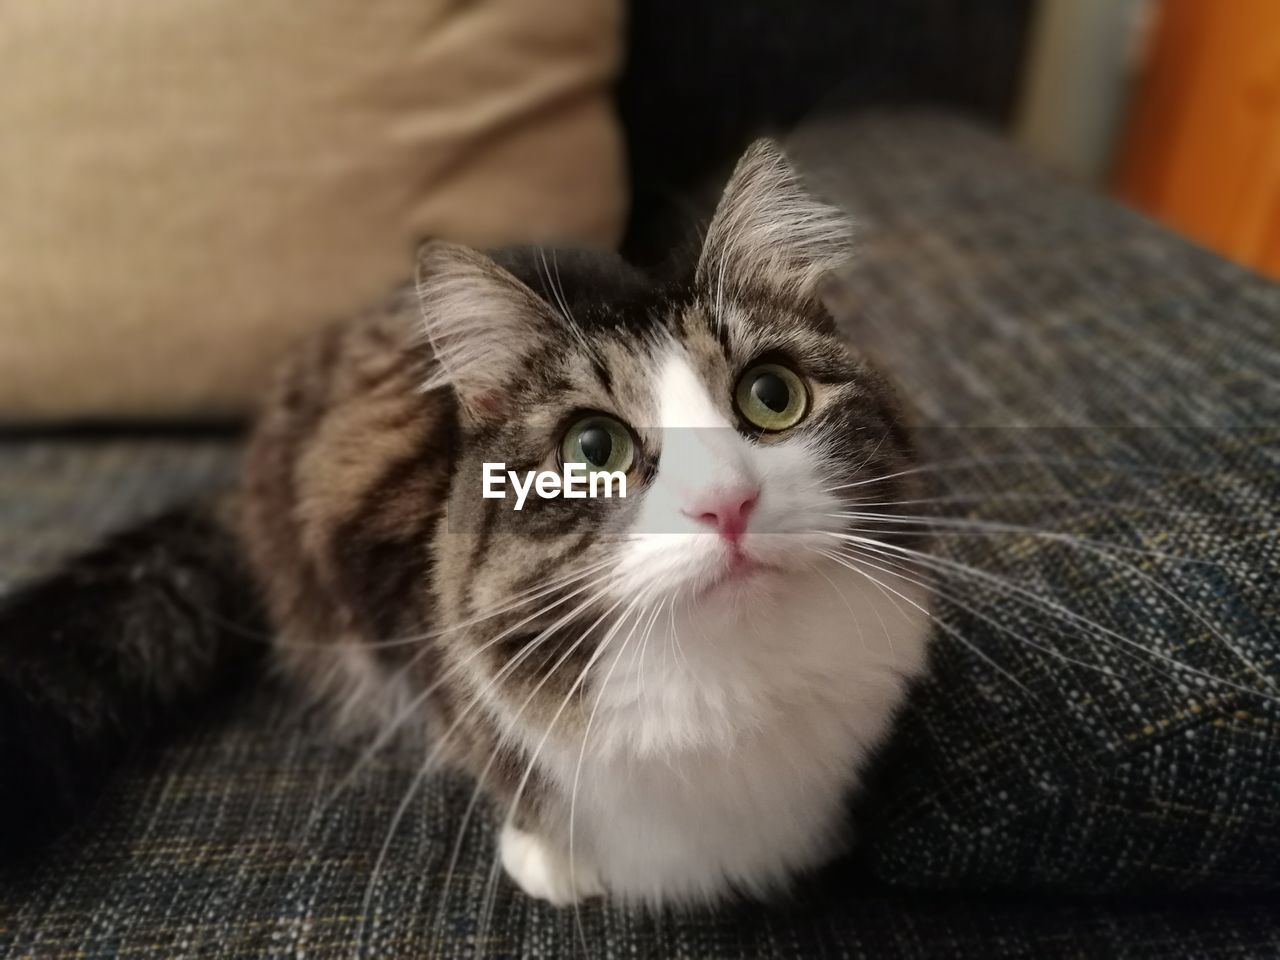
x: 1201, y: 151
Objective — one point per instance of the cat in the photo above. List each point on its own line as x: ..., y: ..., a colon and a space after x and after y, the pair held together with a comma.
x: 667, y: 695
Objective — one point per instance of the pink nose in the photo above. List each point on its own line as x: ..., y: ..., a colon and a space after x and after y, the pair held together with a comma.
x: 726, y: 510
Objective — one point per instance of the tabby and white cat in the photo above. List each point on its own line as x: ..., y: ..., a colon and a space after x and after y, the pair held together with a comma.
x: 668, y: 695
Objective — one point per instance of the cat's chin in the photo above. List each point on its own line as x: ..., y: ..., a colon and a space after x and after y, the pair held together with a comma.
x: 738, y: 574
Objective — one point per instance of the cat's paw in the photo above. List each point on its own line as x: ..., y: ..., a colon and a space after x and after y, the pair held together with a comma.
x: 542, y: 870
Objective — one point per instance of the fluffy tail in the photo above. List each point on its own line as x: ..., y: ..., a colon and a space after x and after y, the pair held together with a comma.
x: 93, y: 660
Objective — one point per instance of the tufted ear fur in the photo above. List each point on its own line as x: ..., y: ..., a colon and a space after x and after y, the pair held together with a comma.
x: 769, y: 232
x: 482, y: 323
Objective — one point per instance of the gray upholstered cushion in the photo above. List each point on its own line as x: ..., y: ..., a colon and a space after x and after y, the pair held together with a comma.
x: 1100, y: 402
x: 1027, y: 320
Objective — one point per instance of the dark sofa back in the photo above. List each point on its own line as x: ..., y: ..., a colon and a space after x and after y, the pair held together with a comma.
x: 706, y: 76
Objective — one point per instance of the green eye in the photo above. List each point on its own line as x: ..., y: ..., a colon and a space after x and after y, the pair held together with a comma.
x: 601, y: 442
x: 771, y: 396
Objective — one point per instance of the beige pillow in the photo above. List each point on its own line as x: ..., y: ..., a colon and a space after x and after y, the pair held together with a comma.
x: 186, y: 187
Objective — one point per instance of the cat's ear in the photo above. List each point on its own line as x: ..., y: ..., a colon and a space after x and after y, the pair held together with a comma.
x: 768, y: 232
x: 482, y: 323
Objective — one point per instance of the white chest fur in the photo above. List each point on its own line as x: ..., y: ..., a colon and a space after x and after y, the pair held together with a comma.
x: 724, y: 742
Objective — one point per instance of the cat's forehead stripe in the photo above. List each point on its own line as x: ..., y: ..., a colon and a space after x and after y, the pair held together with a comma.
x: 684, y: 398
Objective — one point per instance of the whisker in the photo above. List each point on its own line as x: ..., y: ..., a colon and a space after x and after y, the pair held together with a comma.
x: 946, y: 627
x: 956, y: 526
x: 643, y: 650
x: 534, y: 592
x: 1048, y: 604
x: 440, y: 744
x: 987, y: 461
x: 675, y: 634
x: 483, y: 775
x: 853, y: 617
x: 491, y: 885
x: 997, y: 497
x: 577, y: 773
x: 1104, y: 550
x: 409, y: 709
x: 274, y: 640
x: 896, y: 567
x: 1029, y: 599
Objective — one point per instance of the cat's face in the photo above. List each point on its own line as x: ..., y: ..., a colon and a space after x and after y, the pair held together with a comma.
x: 761, y: 424
x: 739, y: 417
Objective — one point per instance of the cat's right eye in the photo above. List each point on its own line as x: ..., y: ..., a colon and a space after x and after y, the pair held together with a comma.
x: 600, y: 442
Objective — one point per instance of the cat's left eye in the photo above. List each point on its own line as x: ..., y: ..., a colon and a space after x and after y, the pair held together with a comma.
x: 771, y: 396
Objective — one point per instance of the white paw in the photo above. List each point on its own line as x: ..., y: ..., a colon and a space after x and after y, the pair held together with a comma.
x: 542, y: 870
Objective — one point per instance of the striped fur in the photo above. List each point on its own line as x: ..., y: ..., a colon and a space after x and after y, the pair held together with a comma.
x: 405, y: 601
x: 365, y: 522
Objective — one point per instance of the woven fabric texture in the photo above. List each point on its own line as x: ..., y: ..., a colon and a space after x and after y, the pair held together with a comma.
x: 1096, y: 401
x: 1099, y: 405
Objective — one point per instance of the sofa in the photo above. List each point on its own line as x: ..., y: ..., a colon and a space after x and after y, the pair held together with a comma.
x: 1092, y: 766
